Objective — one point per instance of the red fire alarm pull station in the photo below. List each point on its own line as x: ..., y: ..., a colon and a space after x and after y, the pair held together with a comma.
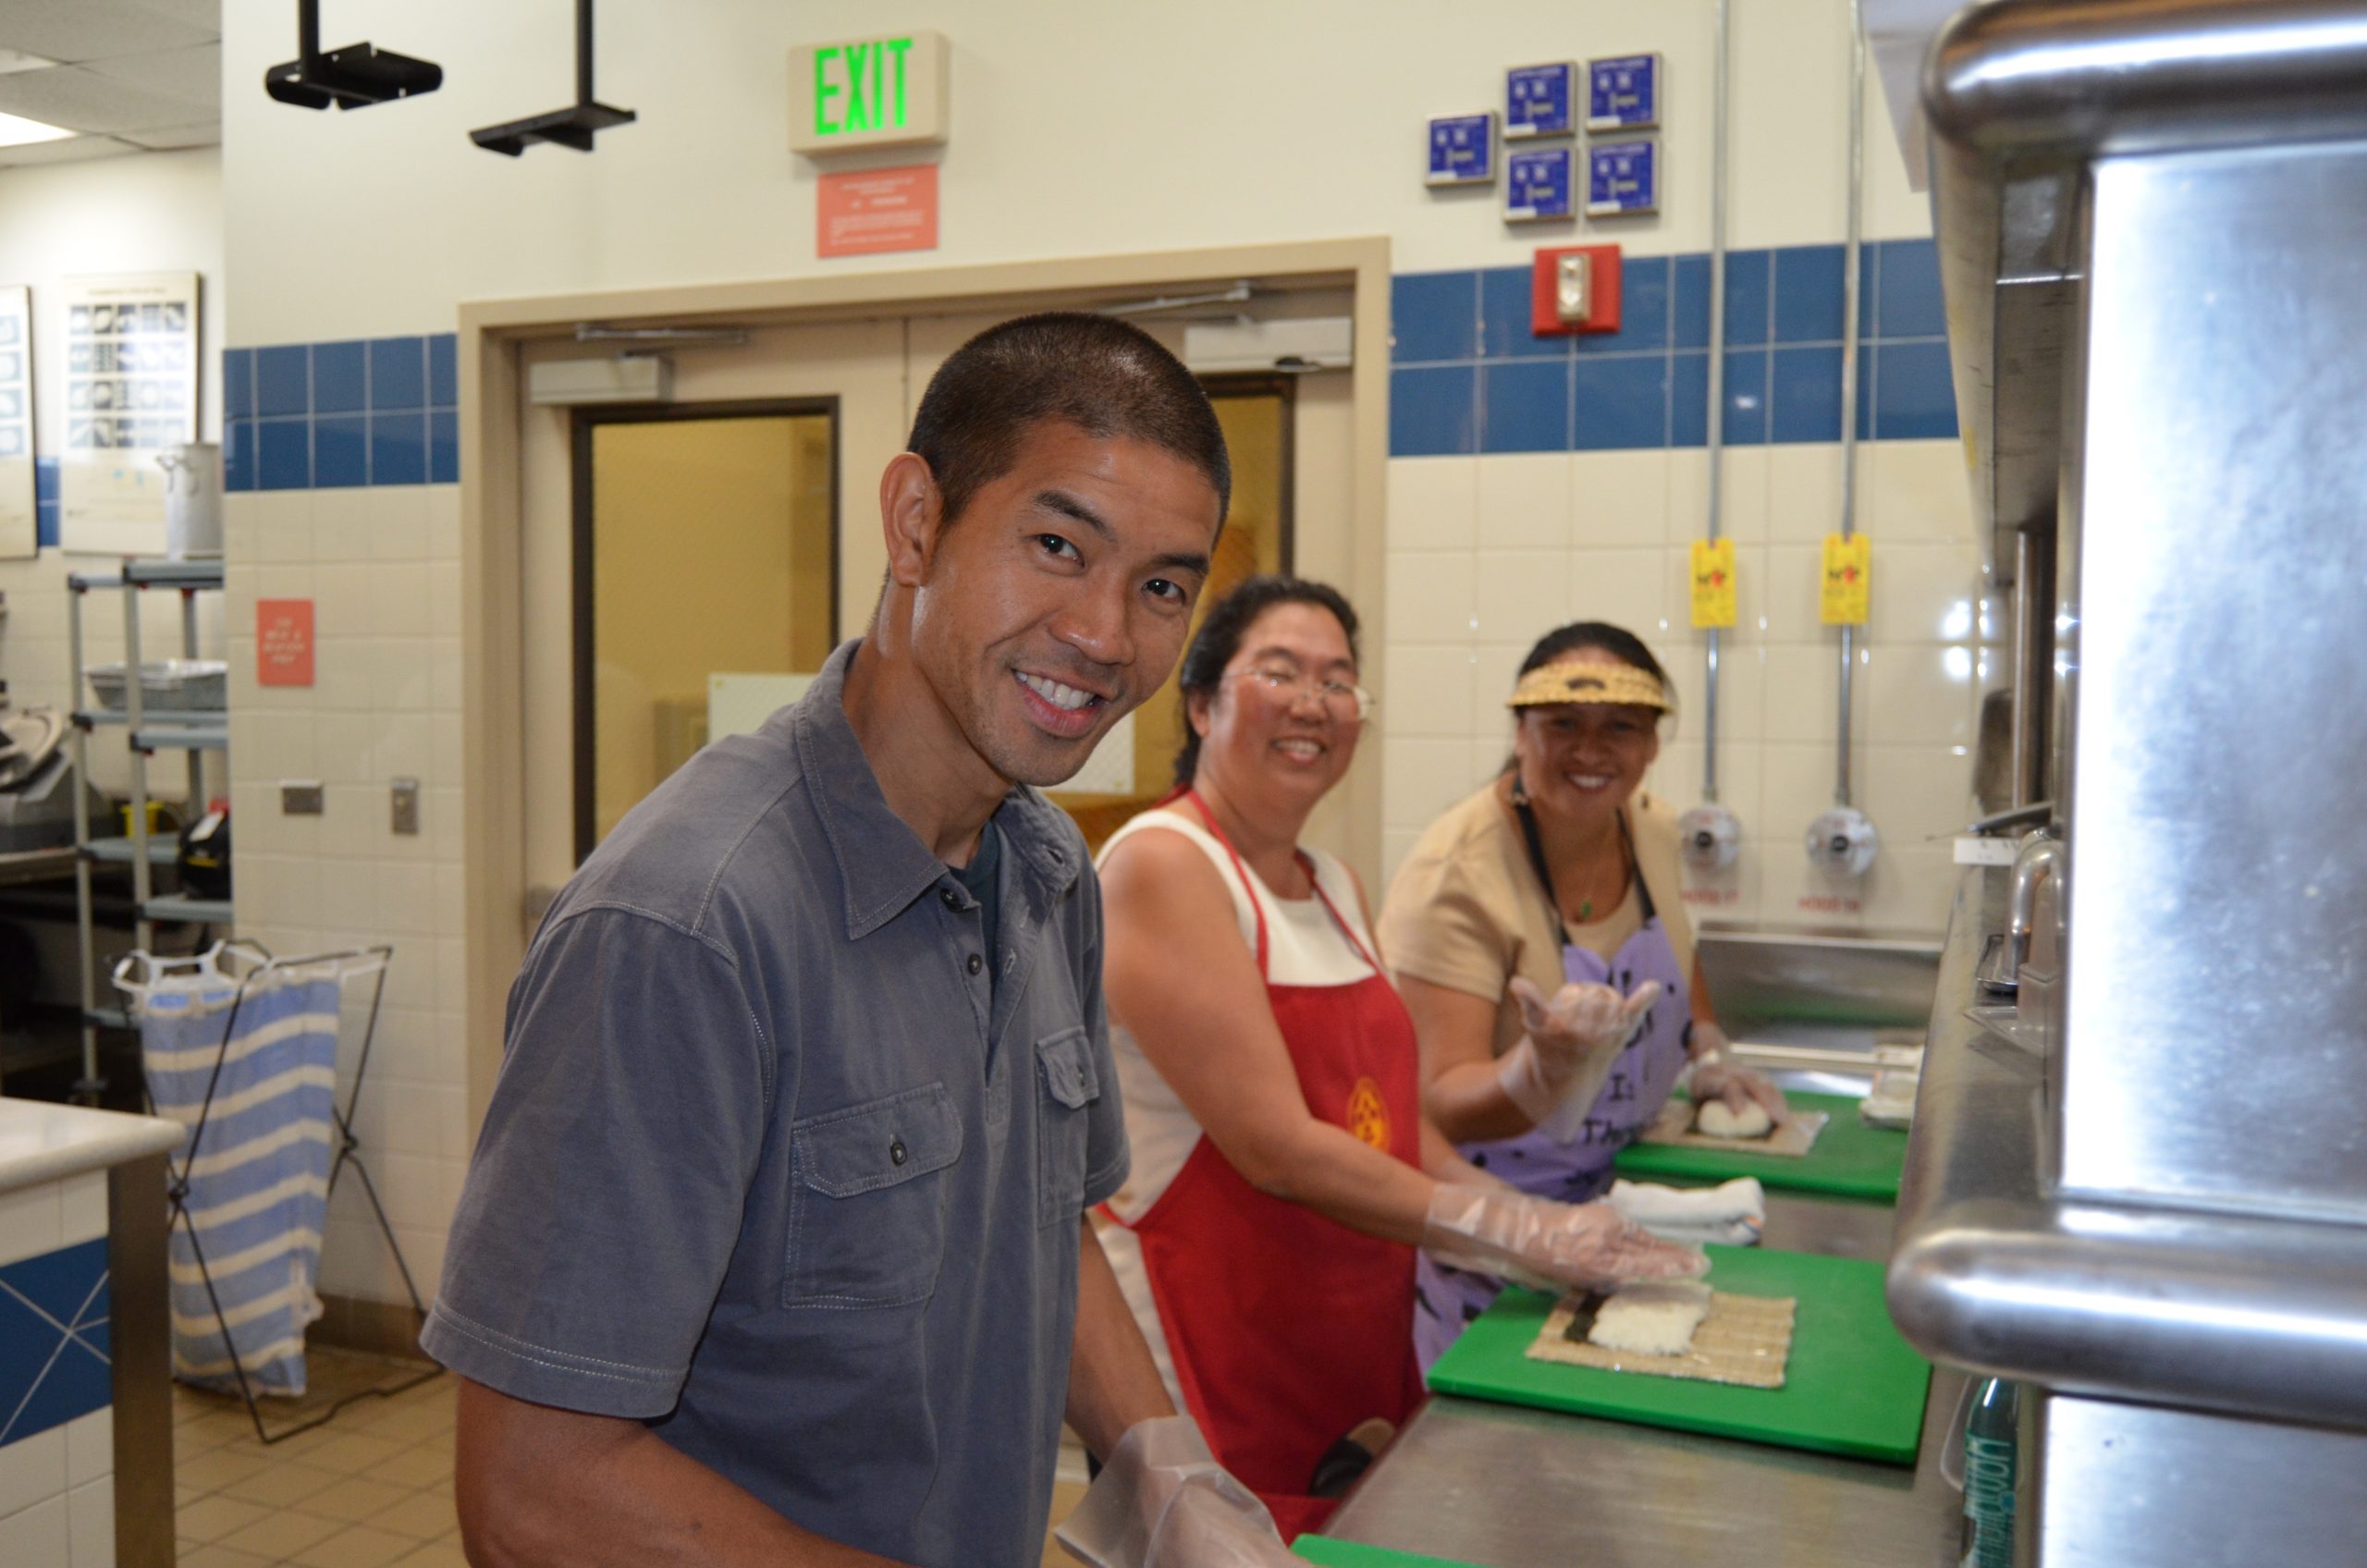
x: 1573, y: 290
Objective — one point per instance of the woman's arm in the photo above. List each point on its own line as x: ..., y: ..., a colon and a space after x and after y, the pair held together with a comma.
x: 1181, y: 980
x: 1462, y: 1090
x: 1705, y: 1022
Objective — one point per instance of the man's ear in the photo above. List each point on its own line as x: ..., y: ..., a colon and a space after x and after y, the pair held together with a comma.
x: 910, y: 514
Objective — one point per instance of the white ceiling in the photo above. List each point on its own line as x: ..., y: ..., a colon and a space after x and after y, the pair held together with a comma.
x: 130, y: 74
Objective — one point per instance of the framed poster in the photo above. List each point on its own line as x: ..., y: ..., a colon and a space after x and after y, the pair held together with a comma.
x: 18, y: 528
x: 131, y: 363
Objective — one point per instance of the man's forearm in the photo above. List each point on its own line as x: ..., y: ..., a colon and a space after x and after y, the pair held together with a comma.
x: 1113, y: 1382
x: 539, y: 1487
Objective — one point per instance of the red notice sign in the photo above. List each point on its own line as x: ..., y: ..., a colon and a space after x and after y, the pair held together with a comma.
x: 861, y: 215
x: 283, y: 642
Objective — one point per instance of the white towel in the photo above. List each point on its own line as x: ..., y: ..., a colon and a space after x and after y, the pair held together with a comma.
x: 1734, y: 1213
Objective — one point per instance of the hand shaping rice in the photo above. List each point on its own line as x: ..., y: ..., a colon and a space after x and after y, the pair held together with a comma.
x: 1652, y: 1317
x: 1720, y: 1121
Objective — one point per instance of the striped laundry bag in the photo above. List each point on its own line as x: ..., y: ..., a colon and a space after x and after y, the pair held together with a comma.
x: 258, y: 1162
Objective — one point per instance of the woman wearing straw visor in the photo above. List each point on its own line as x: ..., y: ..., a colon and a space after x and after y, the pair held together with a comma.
x: 1536, y: 934
x: 1284, y: 1169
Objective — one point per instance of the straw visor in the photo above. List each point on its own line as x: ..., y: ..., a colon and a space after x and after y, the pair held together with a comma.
x: 1571, y: 682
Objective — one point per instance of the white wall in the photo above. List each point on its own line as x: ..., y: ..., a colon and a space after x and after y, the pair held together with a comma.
x: 143, y: 211
x: 1076, y: 129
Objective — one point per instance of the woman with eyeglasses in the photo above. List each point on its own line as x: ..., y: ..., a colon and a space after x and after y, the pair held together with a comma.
x: 1283, y: 1170
x: 1537, y: 934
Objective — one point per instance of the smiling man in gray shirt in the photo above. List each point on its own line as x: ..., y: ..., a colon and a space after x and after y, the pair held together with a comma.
x: 774, y: 1245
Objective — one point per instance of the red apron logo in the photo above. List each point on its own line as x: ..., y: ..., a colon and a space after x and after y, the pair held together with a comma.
x: 1368, y: 1116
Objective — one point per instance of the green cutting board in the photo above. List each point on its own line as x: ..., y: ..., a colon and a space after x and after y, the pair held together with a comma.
x: 1348, y: 1555
x: 1848, y: 1160
x: 1851, y: 1387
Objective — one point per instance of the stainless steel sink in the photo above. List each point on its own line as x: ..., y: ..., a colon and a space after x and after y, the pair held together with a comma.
x: 1812, y: 1009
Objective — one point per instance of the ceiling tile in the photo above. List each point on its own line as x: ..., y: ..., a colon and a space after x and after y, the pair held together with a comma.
x: 176, y: 137
x: 97, y: 29
x: 82, y: 100
x: 193, y: 76
x: 74, y: 151
x: 206, y: 14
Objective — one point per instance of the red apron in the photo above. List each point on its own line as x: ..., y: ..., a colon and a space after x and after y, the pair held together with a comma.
x: 1288, y: 1328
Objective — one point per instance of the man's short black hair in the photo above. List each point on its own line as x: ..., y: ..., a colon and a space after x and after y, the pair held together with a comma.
x: 1101, y: 375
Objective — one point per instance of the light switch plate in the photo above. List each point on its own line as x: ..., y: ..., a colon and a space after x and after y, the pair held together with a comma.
x: 406, y: 807
x: 300, y: 797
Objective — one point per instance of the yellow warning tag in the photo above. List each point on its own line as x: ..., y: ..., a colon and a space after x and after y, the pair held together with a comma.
x: 1714, y: 582
x: 1848, y: 560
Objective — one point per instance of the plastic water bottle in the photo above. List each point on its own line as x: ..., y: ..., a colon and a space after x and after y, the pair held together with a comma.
x: 1988, y: 1433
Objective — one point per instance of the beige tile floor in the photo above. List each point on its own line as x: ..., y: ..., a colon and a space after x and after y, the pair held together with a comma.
x: 371, y: 1490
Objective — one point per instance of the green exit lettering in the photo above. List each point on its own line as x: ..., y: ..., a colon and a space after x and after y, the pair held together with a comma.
x: 870, y: 77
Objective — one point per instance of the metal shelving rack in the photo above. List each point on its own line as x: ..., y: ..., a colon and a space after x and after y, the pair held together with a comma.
x: 194, y: 733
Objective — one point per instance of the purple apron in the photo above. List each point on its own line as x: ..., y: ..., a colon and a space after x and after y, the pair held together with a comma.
x: 1446, y: 1299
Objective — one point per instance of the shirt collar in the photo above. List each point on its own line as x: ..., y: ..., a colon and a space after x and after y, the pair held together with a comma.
x: 883, y: 865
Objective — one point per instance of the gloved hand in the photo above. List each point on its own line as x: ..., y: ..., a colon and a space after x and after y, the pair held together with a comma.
x: 1163, y: 1501
x: 1548, y: 1245
x: 1581, y: 1026
x: 1716, y: 1075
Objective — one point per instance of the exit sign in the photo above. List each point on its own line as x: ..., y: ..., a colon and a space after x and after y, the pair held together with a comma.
x: 886, y: 92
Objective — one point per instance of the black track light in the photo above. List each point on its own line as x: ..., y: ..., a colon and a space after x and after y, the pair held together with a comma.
x: 570, y: 127
x: 352, y: 78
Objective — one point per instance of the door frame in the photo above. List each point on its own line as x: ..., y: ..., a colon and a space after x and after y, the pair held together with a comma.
x: 491, y: 336
x: 580, y: 437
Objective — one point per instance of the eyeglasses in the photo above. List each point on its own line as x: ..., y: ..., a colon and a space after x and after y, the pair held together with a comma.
x: 1338, y: 697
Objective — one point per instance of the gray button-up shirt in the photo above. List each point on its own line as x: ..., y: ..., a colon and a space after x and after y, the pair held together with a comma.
x: 774, y: 1166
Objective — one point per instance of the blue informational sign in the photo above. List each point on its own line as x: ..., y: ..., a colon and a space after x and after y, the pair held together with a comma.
x: 1624, y: 94
x: 1463, y: 150
x: 1539, y: 183
x: 1622, y: 177
x: 1540, y: 99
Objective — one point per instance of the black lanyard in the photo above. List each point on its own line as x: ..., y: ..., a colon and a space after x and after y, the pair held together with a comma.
x: 1527, y: 814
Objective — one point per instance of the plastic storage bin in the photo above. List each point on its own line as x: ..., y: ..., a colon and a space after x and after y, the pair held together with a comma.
x: 165, y: 685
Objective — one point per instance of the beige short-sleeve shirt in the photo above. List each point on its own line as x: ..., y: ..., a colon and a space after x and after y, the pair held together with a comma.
x: 1467, y: 911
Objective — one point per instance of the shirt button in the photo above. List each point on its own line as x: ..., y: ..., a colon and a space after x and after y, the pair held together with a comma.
x: 976, y: 963
x: 897, y: 1153
x: 953, y: 899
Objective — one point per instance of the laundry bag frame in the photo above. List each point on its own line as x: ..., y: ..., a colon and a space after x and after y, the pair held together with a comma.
x: 262, y: 965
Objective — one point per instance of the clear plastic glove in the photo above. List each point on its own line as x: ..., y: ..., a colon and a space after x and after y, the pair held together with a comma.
x: 1548, y: 1245
x: 1717, y: 1076
x: 1580, y: 1026
x: 1163, y: 1501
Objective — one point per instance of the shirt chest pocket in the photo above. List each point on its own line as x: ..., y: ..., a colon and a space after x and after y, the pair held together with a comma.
x: 1066, y: 1087
x: 866, y: 1225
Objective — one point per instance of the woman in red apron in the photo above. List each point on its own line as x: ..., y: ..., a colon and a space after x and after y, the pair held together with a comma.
x: 1283, y: 1170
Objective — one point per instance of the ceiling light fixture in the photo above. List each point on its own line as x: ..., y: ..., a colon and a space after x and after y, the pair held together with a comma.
x: 352, y: 78
x: 16, y: 131
x: 570, y: 127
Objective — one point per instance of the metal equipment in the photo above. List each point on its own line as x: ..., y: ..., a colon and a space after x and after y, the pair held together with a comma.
x: 2142, y: 1190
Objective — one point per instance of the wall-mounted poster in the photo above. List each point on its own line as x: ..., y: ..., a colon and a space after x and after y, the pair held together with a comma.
x: 131, y: 362
x: 19, y: 527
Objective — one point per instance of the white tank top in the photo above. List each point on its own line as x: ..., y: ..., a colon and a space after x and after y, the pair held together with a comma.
x: 1304, y: 947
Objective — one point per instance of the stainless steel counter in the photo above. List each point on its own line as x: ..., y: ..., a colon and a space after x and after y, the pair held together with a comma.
x: 1500, y: 1487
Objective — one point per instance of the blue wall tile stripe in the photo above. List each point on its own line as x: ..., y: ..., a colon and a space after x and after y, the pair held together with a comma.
x: 1465, y: 371
x: 381, y: 410
x: 54, y: 1343
x: 299, y: 416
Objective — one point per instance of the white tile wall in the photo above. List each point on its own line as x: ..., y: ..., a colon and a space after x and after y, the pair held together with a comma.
x: 58, y: 1486
x: 382, y: 567
x: 1473, y: 582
